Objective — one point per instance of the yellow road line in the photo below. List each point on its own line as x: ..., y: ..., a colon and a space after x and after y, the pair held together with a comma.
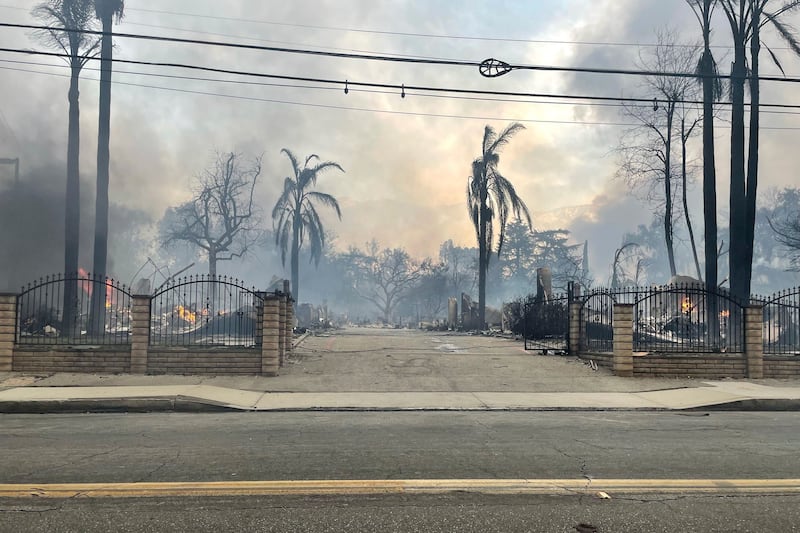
x: 411, y: 486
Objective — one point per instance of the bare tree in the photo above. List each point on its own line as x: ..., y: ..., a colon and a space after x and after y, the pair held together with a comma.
x: 221, y: 219
x: 626, y: 258
x: 646, y: 150
x: 385, y: 277
x: 787, y: 233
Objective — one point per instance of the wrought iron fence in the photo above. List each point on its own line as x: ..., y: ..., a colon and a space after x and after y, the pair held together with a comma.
x: 546, y: 323
x: 205, y: 310
x: 782, y: 322
x: 77, y: 309
x: 597, y: 320
x: 686, y: 318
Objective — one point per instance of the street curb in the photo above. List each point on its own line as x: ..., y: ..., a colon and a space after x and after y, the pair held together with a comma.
x: 181, y: 404
x: 118, y: 405
x: 755, y: 405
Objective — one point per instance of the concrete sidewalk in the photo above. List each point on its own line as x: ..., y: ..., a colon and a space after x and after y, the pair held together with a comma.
x: 389, y: 370
x: 726, y: 394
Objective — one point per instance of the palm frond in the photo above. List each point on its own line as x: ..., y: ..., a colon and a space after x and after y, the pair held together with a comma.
x: 786, y: 31
x: 293, y: 160
x: 325, y: 199
x: 505, y: 137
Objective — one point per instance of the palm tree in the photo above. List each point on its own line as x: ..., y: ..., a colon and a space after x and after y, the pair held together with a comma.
x: 707, y: 75
x: 106, y: 11
x: 295, y: 214
x: 712, y: 90
x: 746, y: 19
x: 73, y: 15
x: 491, y: 199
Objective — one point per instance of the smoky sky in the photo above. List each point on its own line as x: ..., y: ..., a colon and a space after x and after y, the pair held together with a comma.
x: 405, y: 169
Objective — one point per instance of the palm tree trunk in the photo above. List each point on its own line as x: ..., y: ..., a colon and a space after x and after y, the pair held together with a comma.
x: 684, y: 139
x: 72, y: 206
x: 101, y: 201
x: 296, y: 258
x: 752, y: 155
x: 709, y: 178
x: 483, y: 264
x: 738, y: 236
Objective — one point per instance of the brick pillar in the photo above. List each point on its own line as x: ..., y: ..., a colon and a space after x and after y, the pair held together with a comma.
x: 140, y: 332
x: 623, y: 340
x: 289, y: 325
x: 575, y: 329
x: 259, y: 301
x: 282, y: 329
x: 270, y: 355
x: 8, y: 330
x: 754, y: 341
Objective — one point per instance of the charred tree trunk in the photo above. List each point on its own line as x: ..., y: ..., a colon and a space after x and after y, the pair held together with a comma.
x: 738, y: 234
x: 669, y: 236
x: 752, y: 155
x: 483, y: 260
x: 295, y: 259
x: 684, y: 179
x: 72, y: 206
x: 101, y: 201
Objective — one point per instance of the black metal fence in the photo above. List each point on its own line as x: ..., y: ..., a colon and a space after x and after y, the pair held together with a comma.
x: 62, y: 310
x: 597, y: 319
x: 205, y: 310
x: 782, y: 322
x: 686, y: 319
x: 546, y: 323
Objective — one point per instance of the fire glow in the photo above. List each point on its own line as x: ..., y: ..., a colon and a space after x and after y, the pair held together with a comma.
x: 686, y: 306
x: 186, y: 314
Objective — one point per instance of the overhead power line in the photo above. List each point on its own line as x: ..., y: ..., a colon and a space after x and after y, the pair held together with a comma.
x: 386, y: 58
x: 401, y: 88
x: 227, y: 81
x: 369, y: 110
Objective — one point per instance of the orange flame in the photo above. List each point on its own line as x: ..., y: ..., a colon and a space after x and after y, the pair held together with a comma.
x: 686, y: 305
x: 725, y: 314
x: 186, y: 314
x: 86, y: 286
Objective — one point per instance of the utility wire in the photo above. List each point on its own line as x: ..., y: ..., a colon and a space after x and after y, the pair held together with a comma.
x: 388, y: 58
x: 427, y: 35
x: 370, y: 110
x: 400, y: 88
x: 368, y: 91
x: 404, y: 34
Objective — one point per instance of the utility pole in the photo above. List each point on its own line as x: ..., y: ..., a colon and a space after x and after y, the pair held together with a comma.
x: 15, y: 162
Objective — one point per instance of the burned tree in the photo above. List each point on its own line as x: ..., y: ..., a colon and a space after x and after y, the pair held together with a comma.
x: 221, y: 219
x: 491, y: 201
x: 385, y: 277
x: 646, y: 151
x: 79, y: 47
x: 295, y: 213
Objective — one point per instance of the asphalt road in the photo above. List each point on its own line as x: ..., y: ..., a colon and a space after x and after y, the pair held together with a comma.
x: 230, y: 447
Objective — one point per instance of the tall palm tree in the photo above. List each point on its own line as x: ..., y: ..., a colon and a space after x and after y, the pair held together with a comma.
x: 72, y: 15
x: 106, y: 11
x: 712, y: 90
x: 295, y: 214
x: 746, y: 19
x: 491, y: 200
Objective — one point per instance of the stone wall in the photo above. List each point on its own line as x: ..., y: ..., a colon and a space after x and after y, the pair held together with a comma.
x: 201, y: 360
x: 781, y: 367
x: 703, y: 366
x: 105, y: 360
x: 272, y: 345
